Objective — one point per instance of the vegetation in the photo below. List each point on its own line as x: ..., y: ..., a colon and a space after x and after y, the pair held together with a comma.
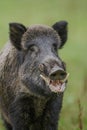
x: 74, y: 112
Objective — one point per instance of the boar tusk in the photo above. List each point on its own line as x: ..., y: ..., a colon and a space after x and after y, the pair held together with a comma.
x: 47, y: 80
x: 65, y: 78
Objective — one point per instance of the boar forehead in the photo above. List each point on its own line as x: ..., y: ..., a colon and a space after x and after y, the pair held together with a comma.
x: 37, y: 31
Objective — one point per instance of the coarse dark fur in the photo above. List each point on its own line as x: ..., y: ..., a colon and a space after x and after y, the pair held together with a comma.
x: 26, y: 102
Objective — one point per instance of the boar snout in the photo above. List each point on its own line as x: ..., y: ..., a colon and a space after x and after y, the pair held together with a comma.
x: 57, y: 73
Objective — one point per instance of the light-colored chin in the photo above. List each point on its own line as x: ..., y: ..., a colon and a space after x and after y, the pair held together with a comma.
x: 55, y: 86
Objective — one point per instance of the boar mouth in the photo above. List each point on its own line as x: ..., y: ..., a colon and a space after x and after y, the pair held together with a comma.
x: 57, y: 86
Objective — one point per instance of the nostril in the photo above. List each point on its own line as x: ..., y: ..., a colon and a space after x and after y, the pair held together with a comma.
x: 53, y: 75
x: 62, y: 75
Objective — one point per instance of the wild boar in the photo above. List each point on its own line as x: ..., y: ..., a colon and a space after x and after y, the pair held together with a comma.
x: 32, y: 76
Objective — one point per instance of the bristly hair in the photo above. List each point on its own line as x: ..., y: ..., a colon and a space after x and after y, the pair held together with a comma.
x: 37, y: 31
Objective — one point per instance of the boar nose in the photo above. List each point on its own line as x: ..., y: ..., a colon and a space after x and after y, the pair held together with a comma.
x: 57, y: 74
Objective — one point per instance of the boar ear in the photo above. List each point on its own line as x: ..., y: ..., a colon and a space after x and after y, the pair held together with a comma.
x: 61, y: 28
x: 16, y: 32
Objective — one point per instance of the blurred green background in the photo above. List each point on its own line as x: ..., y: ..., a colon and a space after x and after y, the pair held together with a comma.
x: 74, y: 112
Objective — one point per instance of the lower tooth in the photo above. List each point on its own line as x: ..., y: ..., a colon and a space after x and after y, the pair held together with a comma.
x: 59, y: 87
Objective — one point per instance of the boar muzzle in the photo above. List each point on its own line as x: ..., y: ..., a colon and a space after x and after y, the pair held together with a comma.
x: 57, y: 73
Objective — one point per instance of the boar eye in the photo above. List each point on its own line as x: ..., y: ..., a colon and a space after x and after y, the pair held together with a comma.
x: 33, y: 48
x: 55, y: 46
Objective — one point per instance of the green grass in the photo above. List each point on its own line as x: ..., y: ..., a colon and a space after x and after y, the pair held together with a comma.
x: 74, y: 53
